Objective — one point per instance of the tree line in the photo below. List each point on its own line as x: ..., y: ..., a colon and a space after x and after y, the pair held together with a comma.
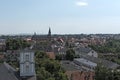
x: 15, y: 44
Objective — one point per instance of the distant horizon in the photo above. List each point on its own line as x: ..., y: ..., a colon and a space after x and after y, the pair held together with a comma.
x: 60, y: 34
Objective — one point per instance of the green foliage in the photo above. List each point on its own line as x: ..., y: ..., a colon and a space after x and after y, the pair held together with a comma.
x: 1, y: 61
x: 59, y: 56
x: 14, y: 64
x: 40, y: 54
x: 50, y: 78
x: 70, y: 54
x: 115, y: 60
x: 51, y: 66
x: 60, y: 76
x: 15, y: 44
x: 48, y: 69
x: 42, y: 74
x: 112, y: 46
x: 12, y: 59
x: 102, y: 73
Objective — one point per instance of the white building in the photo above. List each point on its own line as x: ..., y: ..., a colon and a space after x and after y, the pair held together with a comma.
x: 27, y: 64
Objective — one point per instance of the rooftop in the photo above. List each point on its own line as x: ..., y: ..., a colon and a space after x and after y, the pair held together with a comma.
x: 106, y: 63
x: 85, y: 61
x: 7, y: 72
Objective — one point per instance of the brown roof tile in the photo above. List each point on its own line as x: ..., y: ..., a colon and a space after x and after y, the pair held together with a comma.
x: 80, y: 75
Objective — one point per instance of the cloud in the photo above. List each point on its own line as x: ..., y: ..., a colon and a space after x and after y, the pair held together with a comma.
x: 81, y: 3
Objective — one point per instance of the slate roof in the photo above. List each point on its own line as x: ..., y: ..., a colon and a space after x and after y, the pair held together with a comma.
x: 82, y: 50
x: 85, y: 62
x: 7, y: 72
x: 69, y: 66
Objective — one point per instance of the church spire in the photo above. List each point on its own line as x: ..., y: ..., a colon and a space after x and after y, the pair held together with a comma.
x: 49, y: 33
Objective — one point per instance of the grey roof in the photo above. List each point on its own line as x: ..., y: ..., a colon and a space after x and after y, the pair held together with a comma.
x: 7, y: 72
x: 83, y: 49
x: 105, y: 63
x: 85, y: 62
x: 69, y: 66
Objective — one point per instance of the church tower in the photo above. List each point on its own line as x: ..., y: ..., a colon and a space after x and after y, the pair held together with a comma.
x: 49, y: 34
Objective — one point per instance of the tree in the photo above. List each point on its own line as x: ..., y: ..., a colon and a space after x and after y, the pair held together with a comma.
x: 48, y: 69
x: 70, y: 54
x: 111, y: 46
x: 15, y: 44
x: 59, y: 56
x: 60, y: 76
x: 42, y: 74
x: 40, y: 54
x: 102, y: 73
x: 52, y: 66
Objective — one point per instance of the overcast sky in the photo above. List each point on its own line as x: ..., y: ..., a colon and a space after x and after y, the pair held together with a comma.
x: 63, y: 16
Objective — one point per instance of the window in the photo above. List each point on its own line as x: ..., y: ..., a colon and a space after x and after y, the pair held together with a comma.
x: 27, y: 57
x: 27, y: 67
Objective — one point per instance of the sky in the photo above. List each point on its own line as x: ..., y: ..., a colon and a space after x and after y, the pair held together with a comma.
x: 62, y: 16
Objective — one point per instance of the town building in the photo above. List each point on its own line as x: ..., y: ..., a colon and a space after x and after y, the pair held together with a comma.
x: 85, y: 51
x: 27, y: 64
